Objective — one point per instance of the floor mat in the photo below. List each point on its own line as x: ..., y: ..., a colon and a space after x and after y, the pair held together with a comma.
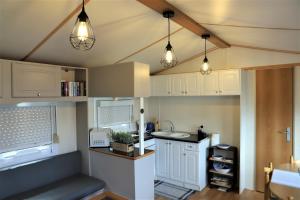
x: 171, y: 191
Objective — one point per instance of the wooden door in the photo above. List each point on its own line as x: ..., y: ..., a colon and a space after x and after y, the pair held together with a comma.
x: 34, y: 80
x: 162, y: 158
x: 192, y: 82
x: 176, y: 163
x: 211, y: 84
x: 178, y: 85
x: 229, y: 82
x: 274, y: 114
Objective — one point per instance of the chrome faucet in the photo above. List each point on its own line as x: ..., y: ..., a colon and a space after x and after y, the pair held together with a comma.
x: 172, y: 127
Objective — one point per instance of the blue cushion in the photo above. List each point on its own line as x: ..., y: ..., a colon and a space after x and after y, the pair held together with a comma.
x: 75, y: 187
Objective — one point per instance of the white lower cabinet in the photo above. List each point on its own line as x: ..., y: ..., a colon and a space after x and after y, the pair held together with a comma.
x: 182, y: 163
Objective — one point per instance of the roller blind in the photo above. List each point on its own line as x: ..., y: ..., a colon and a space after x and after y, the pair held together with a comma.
x: 25, y: 127
x: 111, y: 113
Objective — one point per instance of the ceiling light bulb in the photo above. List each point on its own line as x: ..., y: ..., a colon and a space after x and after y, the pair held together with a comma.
x: 169, y: 56
x: 205, y: 68
x: 82, y: 32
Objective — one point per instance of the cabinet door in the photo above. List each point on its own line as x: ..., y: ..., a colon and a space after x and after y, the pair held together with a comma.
x: 229, y: 82
x: 162, y: 158
x: 176, y: 162
x: 161, y: 85
x: 193, y: 84
x: 1, y: 79
x: 211, y: 83
x: 33, y: 80
x: 191, y: 167
x: 178, y: 85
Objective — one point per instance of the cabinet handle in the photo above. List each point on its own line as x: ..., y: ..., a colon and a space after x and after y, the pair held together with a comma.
x: 184, y: 154
x: 216, y: 92
x: 185, y: 92
x: 169, y: 92
x: 190, y: 146
x: 220, y: 91
x: 38, y: 94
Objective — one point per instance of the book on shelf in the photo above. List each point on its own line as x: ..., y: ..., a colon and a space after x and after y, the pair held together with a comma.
x: 73, y: 88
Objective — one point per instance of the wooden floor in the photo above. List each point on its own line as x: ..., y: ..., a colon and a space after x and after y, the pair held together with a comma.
x: 213, y: 194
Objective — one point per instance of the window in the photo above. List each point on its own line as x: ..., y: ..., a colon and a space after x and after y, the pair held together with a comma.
x: 117, y: 114
x: 25, y: 132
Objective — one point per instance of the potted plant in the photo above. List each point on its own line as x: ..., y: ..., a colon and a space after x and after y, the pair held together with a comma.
x: 122, y: 141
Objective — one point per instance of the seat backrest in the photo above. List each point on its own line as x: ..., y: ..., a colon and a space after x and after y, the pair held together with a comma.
x: 27, y: 177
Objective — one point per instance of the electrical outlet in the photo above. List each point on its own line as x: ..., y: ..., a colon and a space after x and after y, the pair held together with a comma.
x: 55, y: 138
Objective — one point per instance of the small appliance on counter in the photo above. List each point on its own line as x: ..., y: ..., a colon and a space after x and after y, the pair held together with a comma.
x: 150, y: 127
x: 201, y: 134
x: 99, y: 137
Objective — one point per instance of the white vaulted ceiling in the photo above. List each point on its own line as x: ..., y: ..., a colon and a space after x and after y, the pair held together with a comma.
x: 123, y: 27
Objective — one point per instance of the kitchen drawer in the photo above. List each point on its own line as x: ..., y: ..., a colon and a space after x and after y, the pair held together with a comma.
x: 190, y: 146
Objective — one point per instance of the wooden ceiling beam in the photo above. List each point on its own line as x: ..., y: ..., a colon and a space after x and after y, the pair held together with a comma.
x: 59, y: 26
x: 184, y: 20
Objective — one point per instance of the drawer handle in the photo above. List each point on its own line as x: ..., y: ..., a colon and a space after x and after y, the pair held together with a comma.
x: 190, y: 146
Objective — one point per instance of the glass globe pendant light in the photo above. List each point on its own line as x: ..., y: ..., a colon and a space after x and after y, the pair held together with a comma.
x: 205, y: 68
x: 82, y: 36
x: 168, y: 59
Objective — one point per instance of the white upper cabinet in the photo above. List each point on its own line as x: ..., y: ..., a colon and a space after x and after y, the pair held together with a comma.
x: 211, y: 84
x: 193, y: 84
x: 229, y: 82
x: 161, y: 85
x: 1, y: 79
x: 222, y: 82
x: 35, y: 80
x: 178, y: 85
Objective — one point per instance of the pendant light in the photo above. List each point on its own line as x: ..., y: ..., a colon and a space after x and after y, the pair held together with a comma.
x: 205, y: 68
x: 82, y: 36
x: 169, y: 59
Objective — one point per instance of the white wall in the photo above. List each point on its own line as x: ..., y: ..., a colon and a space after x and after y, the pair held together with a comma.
x: 217, y: 114
x: 297, y: 113
x: 248, y: 131
x: 66, y: 127
x: 236, y: 57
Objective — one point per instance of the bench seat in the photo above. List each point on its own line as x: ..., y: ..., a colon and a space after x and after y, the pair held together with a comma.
x: 71, y: 188
x: 55, y: 178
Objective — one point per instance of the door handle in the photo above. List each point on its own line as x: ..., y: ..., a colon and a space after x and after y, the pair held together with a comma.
x: 288, y: 134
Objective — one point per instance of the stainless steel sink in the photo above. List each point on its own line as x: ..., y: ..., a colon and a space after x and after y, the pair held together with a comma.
x: 171, y: 134
x: 180, y: 135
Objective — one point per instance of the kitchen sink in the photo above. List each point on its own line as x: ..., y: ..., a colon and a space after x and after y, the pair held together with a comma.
x: 180, y: 135
x: 161, y: 134
x: 171, y: 134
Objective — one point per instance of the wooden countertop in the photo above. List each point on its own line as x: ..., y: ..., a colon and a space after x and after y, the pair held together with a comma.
x: 130, y: 156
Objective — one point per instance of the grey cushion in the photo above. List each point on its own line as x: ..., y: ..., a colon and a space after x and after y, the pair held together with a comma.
x: 28, y: 177
x: 75, y: 187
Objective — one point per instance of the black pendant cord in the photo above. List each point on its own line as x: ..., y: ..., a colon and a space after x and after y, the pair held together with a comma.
x: 205, y: 47
x: 168, y: 29
x: 83, y: 5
